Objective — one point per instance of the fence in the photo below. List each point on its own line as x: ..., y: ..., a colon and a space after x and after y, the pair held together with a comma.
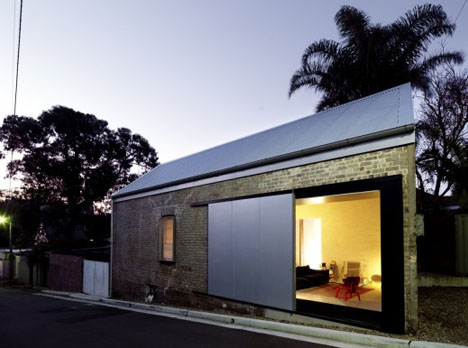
x: 443, y: 248
x: 461, y: 244
x: 65, y: 272
x: 96, y: 278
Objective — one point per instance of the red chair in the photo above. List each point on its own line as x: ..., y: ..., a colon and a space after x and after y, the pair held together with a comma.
x: 350, y: 285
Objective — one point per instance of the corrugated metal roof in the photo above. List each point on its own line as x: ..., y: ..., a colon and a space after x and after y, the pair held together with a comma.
x: 385, y: 111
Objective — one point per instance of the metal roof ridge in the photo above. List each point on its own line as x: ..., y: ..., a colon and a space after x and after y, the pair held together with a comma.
x: 291, y: 155
x: 284, y: 124
x: 363, y: 98
x: 265, y: 131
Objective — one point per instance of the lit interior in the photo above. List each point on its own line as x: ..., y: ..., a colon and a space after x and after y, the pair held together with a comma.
x: 168, y: 239
x: 341, y: 234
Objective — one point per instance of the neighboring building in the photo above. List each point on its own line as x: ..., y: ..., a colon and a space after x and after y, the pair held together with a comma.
x: 233, y: 228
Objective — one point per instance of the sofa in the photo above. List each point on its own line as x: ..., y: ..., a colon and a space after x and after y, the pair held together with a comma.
x: 308, y: 278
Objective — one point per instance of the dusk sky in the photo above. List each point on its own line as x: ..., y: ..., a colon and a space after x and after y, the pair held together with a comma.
x: 186, y: 75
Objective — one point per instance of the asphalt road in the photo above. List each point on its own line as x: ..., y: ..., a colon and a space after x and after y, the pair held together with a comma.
x: 28, y: 320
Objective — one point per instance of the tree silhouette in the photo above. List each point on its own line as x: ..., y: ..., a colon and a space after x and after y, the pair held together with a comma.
x: 442, y: 135
x: 72, y: 159
x: 374, y: 57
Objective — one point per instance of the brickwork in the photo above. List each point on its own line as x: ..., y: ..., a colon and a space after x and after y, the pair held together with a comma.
x: 136, y: 223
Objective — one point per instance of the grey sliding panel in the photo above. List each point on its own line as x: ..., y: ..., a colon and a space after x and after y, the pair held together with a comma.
x: 251, y: 250
x: 220, y: 249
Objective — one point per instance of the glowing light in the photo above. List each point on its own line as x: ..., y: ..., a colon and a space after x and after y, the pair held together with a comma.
x: 312, y: 243
x: 311, y: 200
x: 3, y: 219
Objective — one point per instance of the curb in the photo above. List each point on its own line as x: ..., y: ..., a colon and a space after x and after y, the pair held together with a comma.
x: 251, y: 323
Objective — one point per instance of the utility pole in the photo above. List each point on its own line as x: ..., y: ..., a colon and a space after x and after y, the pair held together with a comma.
x: 10, y: 273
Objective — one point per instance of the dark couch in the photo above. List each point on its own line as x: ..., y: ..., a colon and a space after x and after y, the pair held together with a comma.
x: 307, y: 277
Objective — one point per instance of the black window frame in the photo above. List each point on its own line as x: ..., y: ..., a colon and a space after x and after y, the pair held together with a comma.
x: 392, y: 316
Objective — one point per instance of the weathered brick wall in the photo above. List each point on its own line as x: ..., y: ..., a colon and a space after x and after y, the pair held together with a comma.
x: 135, y: 226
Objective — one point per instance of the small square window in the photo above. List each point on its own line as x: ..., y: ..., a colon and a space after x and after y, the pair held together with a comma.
x: 167, y: 238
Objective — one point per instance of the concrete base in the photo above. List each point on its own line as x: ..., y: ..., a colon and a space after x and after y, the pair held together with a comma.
x: 301, y: 319
x: 303, y: 332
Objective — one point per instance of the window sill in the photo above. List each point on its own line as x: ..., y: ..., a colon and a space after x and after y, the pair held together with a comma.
x: 167, y: 262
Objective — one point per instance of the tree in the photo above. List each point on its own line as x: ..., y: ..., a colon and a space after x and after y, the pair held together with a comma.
x: 72, y: 159
x: 374, y: 57
x: 442, y: 135
x: 460, y: 186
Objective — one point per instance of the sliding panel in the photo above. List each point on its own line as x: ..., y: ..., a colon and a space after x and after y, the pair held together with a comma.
x: 251, y: 250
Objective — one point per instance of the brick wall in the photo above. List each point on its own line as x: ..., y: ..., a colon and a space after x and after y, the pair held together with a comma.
x: 135, y: 226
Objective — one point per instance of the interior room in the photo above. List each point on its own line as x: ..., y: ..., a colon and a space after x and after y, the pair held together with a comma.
x: 338, y: 254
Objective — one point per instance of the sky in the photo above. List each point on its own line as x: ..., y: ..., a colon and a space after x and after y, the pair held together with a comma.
x: 186, y: 75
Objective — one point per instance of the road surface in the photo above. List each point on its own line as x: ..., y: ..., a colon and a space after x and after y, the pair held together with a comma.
x: 28, y: 320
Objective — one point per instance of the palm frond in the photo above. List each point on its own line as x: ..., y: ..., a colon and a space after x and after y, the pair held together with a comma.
x: 373, y: 57
x: 413, y: 32
x: 419, y: 74
x: 301, y: 78
x: 353, y: 24
x: 325, y: 50
x: 423, y: 17
x: 439, y: 59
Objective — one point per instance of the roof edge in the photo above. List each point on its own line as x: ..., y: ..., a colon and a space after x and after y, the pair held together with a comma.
x: 339, y: 144
x: 292, y: 121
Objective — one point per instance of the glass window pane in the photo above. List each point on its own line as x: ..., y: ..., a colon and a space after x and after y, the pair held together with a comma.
x: 167, y: 239
x: 338, y: 247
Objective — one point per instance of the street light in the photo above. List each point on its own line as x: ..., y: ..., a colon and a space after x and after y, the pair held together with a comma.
x: 4, y: 220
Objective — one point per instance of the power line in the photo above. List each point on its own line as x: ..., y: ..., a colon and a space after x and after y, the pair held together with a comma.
x: 459, y: 12
x: 444, y: 40
x: 13, y: 54
x: 18, y: 56
x: 16, y: 84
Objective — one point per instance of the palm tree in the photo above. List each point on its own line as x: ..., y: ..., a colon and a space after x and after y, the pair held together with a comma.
x: 374, y: 57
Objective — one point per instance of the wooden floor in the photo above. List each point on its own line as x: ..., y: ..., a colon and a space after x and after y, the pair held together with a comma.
x: 371, y: 296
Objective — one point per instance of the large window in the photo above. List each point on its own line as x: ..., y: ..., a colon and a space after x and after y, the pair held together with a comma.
x: 338, y: 250
x: 167, y: 238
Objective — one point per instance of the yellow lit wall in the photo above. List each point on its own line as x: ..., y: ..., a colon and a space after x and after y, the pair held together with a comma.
x: 350, y: 232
